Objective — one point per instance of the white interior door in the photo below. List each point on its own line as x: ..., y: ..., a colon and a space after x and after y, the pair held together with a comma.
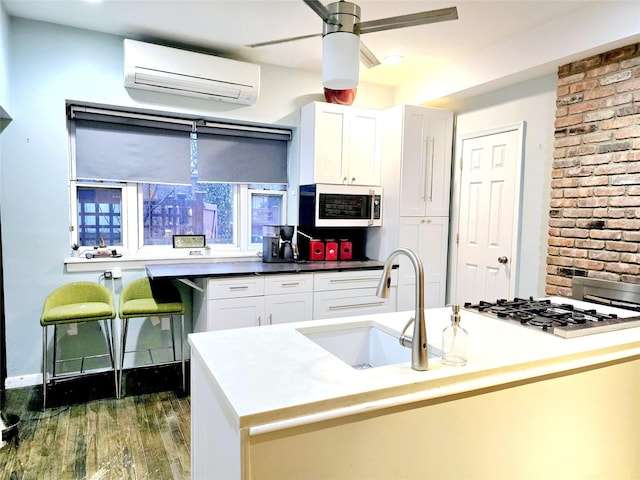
x: 489, y: 199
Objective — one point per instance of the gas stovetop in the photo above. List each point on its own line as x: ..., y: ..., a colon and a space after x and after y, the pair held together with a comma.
x: 561, y: 319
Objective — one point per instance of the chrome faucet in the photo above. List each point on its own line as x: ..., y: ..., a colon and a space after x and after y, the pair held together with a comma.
x: 418, y: 342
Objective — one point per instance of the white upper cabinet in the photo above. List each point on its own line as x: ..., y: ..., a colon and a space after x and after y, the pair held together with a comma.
x: 425, y: 176
x: 340, y: 144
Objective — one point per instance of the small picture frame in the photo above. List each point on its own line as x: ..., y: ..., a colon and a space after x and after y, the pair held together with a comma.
x: 189, y: 241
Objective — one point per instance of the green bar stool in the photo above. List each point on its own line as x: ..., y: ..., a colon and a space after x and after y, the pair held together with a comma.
x: 77, y: 302
x: 151, y: 298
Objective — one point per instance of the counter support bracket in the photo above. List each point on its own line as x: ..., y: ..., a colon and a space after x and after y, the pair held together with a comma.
x: 191, y: 284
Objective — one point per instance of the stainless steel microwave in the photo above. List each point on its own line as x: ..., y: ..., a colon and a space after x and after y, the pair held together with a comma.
x: 324, y: 205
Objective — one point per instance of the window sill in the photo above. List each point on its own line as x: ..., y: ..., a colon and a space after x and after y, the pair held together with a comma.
x: 140, y: 261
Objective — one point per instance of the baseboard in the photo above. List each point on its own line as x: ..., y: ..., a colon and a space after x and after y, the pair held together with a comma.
x: 23, y: 381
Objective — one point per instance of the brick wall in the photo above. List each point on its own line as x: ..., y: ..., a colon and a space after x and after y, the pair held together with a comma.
x: 594, y: 220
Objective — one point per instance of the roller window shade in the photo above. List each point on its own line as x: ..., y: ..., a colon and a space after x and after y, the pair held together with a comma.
x: 132, y: 151
x: 241, y: 157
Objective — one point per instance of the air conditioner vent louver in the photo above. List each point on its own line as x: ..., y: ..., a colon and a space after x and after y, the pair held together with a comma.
x: 171, y: 70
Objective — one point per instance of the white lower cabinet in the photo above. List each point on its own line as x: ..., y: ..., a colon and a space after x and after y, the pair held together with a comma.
x: 428, y: 237
x: 250, y: 301
x: 342, y: 294
x: 288, y: 298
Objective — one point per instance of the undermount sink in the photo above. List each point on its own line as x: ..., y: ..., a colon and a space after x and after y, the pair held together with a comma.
x: 361, y: 345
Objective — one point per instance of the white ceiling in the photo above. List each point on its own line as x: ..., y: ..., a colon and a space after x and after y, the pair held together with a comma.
x: 224, y: 27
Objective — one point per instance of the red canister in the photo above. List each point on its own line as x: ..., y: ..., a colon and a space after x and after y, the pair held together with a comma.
x: 331, y: 250
x: 316, y: 250
x: 346, y: 250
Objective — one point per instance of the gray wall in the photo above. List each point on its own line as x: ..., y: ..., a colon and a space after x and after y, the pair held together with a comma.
x: 533, y: 102
x: 52, y: 64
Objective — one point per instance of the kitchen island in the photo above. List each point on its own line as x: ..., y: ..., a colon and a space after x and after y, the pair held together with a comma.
x: 268, y: 402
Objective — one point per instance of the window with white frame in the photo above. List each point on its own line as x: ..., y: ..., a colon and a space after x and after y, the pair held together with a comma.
x: 137, y: 180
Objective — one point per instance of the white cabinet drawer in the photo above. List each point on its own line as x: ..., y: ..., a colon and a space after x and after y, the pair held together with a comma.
x: 349, y: 280
x: 235, y: 287
x: 282, y: 284
x: 345, y: 303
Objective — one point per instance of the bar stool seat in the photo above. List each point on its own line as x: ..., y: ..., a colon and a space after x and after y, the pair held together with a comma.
x: 76, y: 302
x: 146, y: 298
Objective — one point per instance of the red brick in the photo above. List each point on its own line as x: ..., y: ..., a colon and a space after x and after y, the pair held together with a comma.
x: 563, y: 202
x: 623, y: 224
x: 604, y: 256
x: 568, y: 121
x: 630, y: 258
x: 606, y: 234
x: 593, y: 181
x: 560, y: 242
x: 623, y: 268
x: 609, y: 213
x: 597, y: 137
x: 608, y: 191
x: 629, y: 132
x: 621, y: 247
x: 590, y: 244
x: 600, y: 92
x: 570, y: 79
x: 573, y: 252
x: 624, y: 201
x: 618, y: 122
x: 589, y: 264
x: 593, y: 202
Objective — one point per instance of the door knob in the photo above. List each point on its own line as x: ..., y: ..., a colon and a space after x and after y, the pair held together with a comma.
x: 503, y: 259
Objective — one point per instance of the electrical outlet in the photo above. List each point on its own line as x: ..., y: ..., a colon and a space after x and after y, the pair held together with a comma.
x: 72, y: 329
x: 108, y: 274
x: 166, y: 323
x: 154, y: 321
x: 116, y: 273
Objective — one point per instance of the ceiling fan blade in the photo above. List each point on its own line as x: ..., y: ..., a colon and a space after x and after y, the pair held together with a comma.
x: 319, y: 8
x: 367, y: 57
x: 410, y: 20
x: 283, y: 40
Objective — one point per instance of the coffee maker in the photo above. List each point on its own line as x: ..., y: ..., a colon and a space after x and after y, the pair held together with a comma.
x: 277, y: 243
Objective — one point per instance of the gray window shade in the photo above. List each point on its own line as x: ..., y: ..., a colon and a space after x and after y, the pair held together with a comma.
x: 131, y: 150
x: 241, y: 157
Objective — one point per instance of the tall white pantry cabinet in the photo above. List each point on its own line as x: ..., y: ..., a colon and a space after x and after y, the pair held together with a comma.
x: 416, y: 176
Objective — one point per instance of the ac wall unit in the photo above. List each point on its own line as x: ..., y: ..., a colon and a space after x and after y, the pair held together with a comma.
x: 171, y: 70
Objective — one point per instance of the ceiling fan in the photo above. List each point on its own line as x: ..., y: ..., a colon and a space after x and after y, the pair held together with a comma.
x: 341, y: 45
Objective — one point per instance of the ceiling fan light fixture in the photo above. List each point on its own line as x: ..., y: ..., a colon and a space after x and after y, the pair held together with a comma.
x: 340, y: 60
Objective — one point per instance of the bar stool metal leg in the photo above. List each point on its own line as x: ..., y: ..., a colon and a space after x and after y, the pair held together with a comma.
x: 44, y: 367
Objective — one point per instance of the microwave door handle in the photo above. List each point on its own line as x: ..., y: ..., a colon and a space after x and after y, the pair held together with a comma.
x: 373, y: 206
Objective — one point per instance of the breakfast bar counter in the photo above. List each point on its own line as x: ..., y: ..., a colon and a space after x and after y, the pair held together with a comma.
x: 268, y: 402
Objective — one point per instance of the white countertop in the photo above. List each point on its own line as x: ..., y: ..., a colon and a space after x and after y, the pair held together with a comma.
x: 274, y: 375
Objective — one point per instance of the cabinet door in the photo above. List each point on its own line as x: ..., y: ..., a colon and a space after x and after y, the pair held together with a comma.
x: 365, y: 143
x: 428, y: 238
x: 426, y: 162
x: 323, y: 143
x: 288, y: 308
x: 235, y: 313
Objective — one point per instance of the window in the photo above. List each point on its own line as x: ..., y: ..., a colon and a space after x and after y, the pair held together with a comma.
x: 99, y: 216
x: 139, y: 180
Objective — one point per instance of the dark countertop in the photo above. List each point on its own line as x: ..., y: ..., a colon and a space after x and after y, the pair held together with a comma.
x: 230, y: 269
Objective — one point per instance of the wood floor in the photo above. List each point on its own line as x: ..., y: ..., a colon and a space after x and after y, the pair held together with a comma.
x: 88, y: 434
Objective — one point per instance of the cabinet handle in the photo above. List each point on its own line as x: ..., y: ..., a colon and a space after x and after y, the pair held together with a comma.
x: 291, y: 284
x: 356, y: 305
x: 353, y: 180
x: 270, y: 319
x: 344, y: 180
x: 429, y: 154
x: 373, y: 206
x: 359, y: 279
x: 242, y: 287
